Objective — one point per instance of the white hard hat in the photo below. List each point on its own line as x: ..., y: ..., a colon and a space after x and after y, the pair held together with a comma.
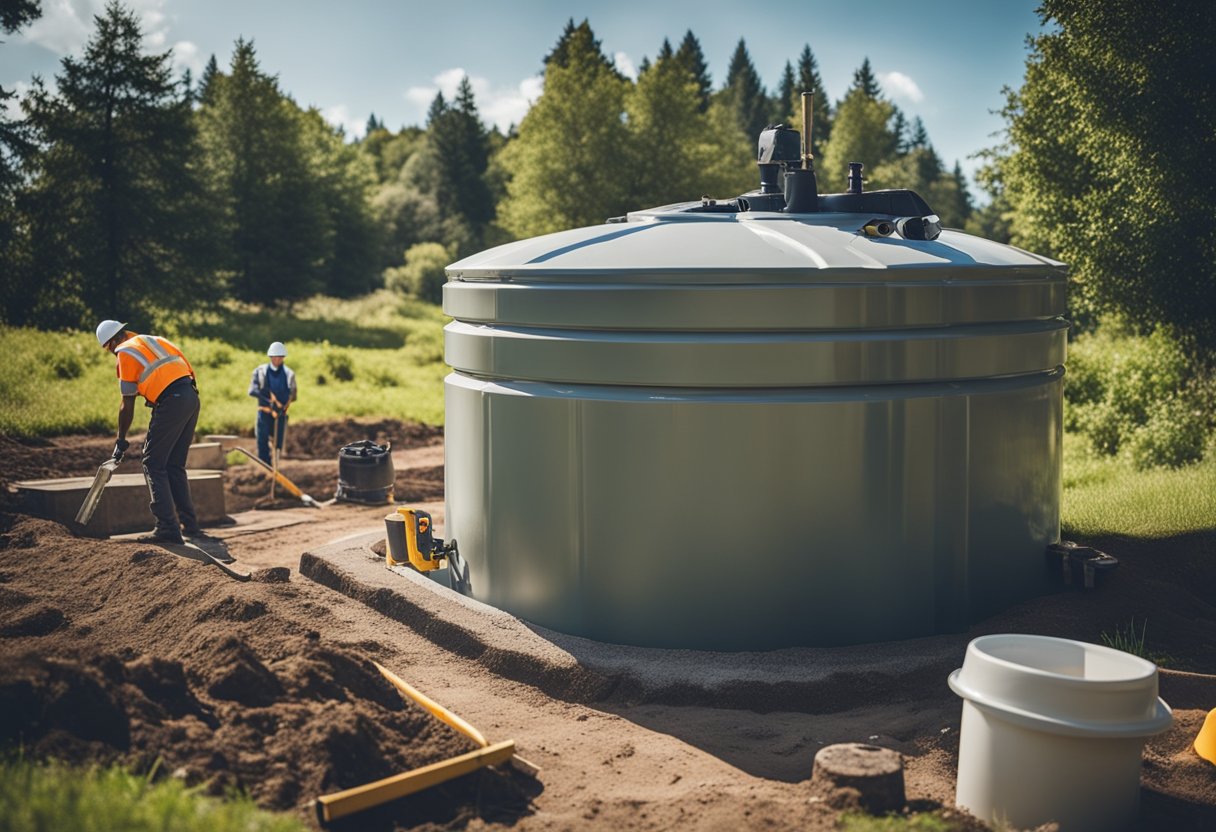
x: 277, y: 350
x: 107, y: 330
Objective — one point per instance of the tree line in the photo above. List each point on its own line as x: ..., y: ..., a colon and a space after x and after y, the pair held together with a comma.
x: 128, y: 191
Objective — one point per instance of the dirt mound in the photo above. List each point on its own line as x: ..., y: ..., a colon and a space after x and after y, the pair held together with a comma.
x: 313, y: 465
x: 141, y: 655
x: 323, y: 440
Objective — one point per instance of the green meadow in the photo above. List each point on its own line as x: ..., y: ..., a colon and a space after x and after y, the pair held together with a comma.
x: 377, y: 356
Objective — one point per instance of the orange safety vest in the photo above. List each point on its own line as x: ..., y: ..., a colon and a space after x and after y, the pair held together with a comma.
x: 147, y: 364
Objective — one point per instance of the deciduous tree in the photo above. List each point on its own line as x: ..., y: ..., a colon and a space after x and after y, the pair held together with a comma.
x: 861, y: 132
x: 1112, y: 139
x: 566, y: 166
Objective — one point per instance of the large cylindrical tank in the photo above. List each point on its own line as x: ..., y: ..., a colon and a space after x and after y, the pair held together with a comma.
x: 753, y: 430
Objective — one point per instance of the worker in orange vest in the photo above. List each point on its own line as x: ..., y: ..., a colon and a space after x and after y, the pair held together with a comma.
x: 153, y: 367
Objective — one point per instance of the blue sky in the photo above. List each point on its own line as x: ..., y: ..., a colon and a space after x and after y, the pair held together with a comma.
x: 944, y: 61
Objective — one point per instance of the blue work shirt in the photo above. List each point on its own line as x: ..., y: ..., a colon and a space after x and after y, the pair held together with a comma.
x: 266, y: 380
x: 276, y: 380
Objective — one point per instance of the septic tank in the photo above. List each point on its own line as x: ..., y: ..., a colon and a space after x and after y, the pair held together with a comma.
x: 776, y: 420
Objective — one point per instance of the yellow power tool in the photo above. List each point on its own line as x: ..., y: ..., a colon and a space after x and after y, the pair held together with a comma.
x: 411, y: 539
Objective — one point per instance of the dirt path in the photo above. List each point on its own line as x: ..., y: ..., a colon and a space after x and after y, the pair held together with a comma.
x: 268, y: 686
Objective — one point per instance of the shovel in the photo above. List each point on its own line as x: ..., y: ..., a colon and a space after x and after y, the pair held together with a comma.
x: 288, y: 486
x: 93, y: 498
x: 274, y: 451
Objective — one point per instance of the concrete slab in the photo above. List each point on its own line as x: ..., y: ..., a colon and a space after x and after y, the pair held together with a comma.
x: 227, y: 441
x: 808, y: 680
x: 124, y: 502
x: 207, y: 456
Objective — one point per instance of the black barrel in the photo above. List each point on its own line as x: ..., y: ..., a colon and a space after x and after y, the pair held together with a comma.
x: 365, y: 473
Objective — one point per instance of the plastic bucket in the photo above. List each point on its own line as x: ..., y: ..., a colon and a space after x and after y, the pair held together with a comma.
x: 1053, y: 730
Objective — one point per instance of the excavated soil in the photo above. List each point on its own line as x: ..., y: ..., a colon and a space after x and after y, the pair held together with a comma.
x: 120, y: 651
x: 136, y: 655
x: 310, y: 461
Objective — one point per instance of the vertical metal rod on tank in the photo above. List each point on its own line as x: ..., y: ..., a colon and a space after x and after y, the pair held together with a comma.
x: 808, y: 159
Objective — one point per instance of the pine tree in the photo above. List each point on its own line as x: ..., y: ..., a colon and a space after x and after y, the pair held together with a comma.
x: 785, y: 96
x: 188, y: 91
x: 864, y: 80
x: 116, y: 213
x: 744, y: 94
x: 677, y: 155
x: 665, y: 53
x: 579, y: 40
x: 15, y: 144
x: 460, y: 150
x: 920, y: 136
x: 821, y: 108
x: 438, y: 107
x: 566, y: 166
x: 899, y: 126
x: 692, y: 59
x: 205, y: 90
x: 14, y: 14
x: 275, y: 221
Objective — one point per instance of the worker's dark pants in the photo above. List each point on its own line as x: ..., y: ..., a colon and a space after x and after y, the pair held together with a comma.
x: 169, y: 436
x: 263, y: 429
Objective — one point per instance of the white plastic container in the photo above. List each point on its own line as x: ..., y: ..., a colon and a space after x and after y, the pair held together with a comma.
x: 1053, y: 730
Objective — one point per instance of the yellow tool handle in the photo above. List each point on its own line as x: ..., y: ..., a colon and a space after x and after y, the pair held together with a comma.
x: 340, y: 804
x: 436, y: 710
x: 291, y: 487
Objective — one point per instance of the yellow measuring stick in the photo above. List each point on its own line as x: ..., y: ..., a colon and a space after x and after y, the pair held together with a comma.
x: 340, y: 804
x: 448, y: 718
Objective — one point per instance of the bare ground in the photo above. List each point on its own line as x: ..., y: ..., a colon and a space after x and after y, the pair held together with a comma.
x: 120, y: 651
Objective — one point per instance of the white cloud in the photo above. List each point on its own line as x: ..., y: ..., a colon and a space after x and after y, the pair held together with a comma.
x: 501, y: 106
x: 66, y: 25
x: 901, y: 86
x: 12, y: 106
x: 624, y: 65
x: 509, y: 107
x: 187, y: 56
x: 339, y: 116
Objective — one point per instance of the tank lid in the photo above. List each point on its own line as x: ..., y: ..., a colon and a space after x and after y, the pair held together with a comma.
x: 676, y: 242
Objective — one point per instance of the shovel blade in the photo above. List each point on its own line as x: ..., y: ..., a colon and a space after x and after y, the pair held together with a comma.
x: 93, y: 498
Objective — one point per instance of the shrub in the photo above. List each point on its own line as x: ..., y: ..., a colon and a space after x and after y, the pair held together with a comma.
x: 422, y: 275
x: 216, y: 357
x: 339, y: 364
x: 66, y: 365
x: 1142, y: 395
x: 1174, y: 435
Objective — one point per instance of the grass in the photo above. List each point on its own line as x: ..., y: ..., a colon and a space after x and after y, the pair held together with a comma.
x: 857, y: 822
x: 47, y: 796
x: 1106, y: 495
x: 1129, y: 641
x: 380, y: 355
